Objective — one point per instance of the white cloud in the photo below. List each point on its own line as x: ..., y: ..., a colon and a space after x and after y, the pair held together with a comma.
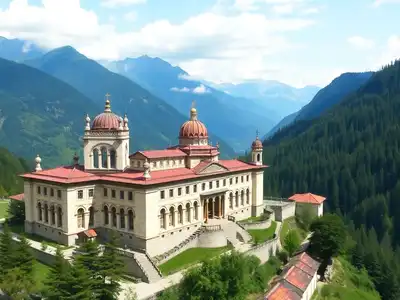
x: 201, y: 89
x: 181, y: 90
x: 310, y: 10
x: 130, y: 16
x: 117, y: 3
x: 391, y: 51
x: 361, y: 42
x: 381, y: 2
x: 283, y: 9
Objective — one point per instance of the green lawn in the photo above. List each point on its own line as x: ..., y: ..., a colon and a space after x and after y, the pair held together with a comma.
x: 40, y: 273
x: 262, y: 235
x: 255, y: 219
x: 190, y: 257
x: 291, y: 223
x: 3, y: 209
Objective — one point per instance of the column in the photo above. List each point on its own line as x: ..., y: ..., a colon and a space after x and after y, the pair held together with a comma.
x: 118, y: 220
x: 213, y: 208
x: 175, y: 219
x: 206, y: 209
x: 108, y: 161
x: 220, y: 207
x: 109, y: 219
x: 100, y: 160
x: 126, y: 222
x: 56, y: 216
x: 167, y: 220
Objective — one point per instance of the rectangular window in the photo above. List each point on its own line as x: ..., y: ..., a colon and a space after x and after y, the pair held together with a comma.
x: 45, y: 191
x: 105, y: 192
x: 91, y: 193
x: 242, y: 179
x: 130, y: 196
x: 224, y: 182
x: 210, y: 185
x: 162, y: 194
x: 247, y: 177
x: 237, y: 180
x: 52, y: 192
x: 195, y: 188
x: 113, y: 193
x: 217, y: 182
x: 171, y: 192
x: 121, y: 195
x: 187, y: 189
x: 58, y: 194
x: 38, y: 190
x: 203, y: 186
x: 179, y: 191
x: 230, y: 181
x: 80, y: 194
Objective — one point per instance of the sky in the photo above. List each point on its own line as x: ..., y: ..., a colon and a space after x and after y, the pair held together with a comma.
x: 298, y: 42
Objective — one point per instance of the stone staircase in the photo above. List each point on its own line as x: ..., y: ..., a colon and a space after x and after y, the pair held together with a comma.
x: 153, y: 274
x: 236, y: 235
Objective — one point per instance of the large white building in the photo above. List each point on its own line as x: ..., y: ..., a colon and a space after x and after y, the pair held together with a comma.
x: 151, y: 199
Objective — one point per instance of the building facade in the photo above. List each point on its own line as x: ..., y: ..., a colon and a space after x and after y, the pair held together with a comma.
x: 152, y: 199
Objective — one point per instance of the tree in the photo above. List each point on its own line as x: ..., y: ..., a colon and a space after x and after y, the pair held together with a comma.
x: 6, y: 250
x: 306, y: 216
x: 15, y: 284
x: 16, y: 211
x: 328, y: 236
x: 23, y: 258
x: 110, y: 270
x: 291, y: 242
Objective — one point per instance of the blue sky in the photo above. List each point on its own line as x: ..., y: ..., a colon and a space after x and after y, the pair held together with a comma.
x: 298, y: 42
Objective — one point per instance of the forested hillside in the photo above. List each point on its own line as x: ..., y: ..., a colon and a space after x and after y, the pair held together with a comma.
x: 351, y: 155
x: 10, y: 168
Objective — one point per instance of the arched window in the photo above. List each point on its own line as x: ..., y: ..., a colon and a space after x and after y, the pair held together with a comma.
x: 53, y: 215
x: 91, y: 216
x: 248, y: 196
x: 196, y: 211
x: 39, y: 208
x: 242, y: 198
x: 104, y: 158
x: 163, y: 223
x: 231, y: 200
x: 46, y: 213
x: 180, y: 214
x: 95, y: 158
x: 188, y: 213
x: 113, y: 160
x: 171, y: 216
x: 106, y: 220
x: 122, y: 218
x: 131, y: 217
x: 81, y: 218
x: 258, y: 157
x: 114, y: 216
x: 59, y: 216
x: 237, y: 199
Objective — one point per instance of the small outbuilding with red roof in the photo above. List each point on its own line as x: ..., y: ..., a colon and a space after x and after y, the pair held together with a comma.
x: 309, y: 201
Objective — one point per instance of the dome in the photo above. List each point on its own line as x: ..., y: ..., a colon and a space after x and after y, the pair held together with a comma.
x: 193, y: 128
x: 106, y: 120
x: 257, y: 144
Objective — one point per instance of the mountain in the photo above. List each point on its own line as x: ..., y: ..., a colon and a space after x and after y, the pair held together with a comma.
x: 326, y: 98
x: 18, y: 50
x: 350, y: 154
x: 232, y: 118
x: 10, y: 167
x: 273, y: 95
x: 40, y: 114
x: 154, y: 123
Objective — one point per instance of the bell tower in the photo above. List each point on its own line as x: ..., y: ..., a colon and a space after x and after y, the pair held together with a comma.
x: 256, y: 151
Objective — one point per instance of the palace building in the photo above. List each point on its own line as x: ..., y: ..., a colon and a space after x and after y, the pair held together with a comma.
x: 151, y: 199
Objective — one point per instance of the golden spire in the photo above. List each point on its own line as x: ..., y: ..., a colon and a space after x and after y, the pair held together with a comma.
x: 193, y: 111
x: 107, y: 107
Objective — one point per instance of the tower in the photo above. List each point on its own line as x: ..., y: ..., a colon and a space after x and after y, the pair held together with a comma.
x: 106, y: 141
x: 256, y: 151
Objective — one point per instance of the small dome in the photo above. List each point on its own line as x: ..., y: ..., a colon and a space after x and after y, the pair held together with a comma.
x: 106, y: 120
x: 193, y: 128
x: 257, y: 144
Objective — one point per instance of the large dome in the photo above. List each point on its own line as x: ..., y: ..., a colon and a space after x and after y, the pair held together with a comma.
x: 257, y: 144
x: 106, y: 120
x: 193, y: 129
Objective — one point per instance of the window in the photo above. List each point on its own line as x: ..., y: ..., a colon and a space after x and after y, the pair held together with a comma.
x: 224, y: 182
x: 247, y: 177
x: 154, y: 164
x: 59, y: 216
x: 38, y: 190
x: 106, y: 215
x: 242, y: 179
x: 105, y: 192
x: 203, y: 186
x: 187, y: 189
x: 96, y: 158
x: 163, y: 223
x: 114, y: 217
x: 91, y: 193
x: 113, y: 160
x: 81, y: 218
x: 121, y: 218
x: 171, y: 192
x: 121, y: 195
x: 104, y: 158
x: 45, y: 191
x: 195, y: 188
x: 131, y: 222
x: 230, y: 181
x: 80, y: 194
x: 52, y: 192
x: 217, y: 182
x: 91, y: 216
x: 113, y: 193
x: 162, y: 194
x: 130, y: 196
x: 40, y: 214
x: 179, y: 191
x: 210, y: 186
x: 237, y: 180
x: 59, y: 193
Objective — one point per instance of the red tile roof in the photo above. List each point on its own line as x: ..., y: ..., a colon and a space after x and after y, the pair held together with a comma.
x: 307, y: 198
x: 90, y: 233
x: 70, y: 174
x: 298, y: 278
x: 161, y: 153
x: 280, y: 292
x: 308, y: 260
x: 18, y: 197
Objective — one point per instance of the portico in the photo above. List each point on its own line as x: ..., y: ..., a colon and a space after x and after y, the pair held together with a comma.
x: 213, y: 205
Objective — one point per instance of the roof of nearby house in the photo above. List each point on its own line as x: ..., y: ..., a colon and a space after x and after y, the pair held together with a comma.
x: 166, y: 153
x: 18, y: 197
x: 307, y: 198
x: 281, y: 292
x: 90, y: 233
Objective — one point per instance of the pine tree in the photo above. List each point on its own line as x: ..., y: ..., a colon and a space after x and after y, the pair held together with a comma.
x: 16, y: 285
x: 23, y: 258
x: 6, y: 250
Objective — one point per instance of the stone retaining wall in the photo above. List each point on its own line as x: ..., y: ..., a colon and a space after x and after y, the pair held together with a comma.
x: 256, y: 224
x: 265, y: 250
